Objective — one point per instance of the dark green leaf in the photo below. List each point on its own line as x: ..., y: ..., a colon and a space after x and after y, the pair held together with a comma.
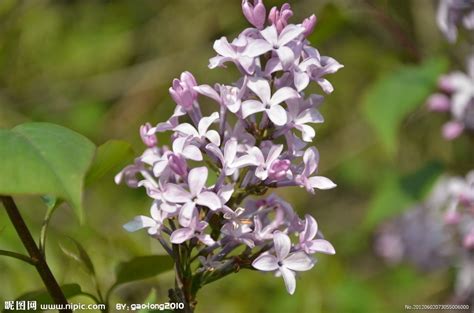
x: 110, y: 156
x: 43, y: 158
x: 394, y: 95
x: 417, y: 184
x: 143, y: 267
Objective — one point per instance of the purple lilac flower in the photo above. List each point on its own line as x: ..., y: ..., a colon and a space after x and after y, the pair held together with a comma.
x: 454, y: 13
x: 209, y: 189
x: 457, y: 98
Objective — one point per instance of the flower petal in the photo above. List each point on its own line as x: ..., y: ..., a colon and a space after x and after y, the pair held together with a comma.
x: 270, y: 34
x: 223, y: 47
x: 176, y: 194
x: 250, y: 107
x: 138, y: 223
x: 277, y: 115
x: 206, y: 122
x: 261, y: 88
x: 186, y: 129
x: 289, y: 278
x: 257, y: 47
x: 266, y: 263
x: 321, y: 182
x: 197, y: 179
x: 289, y: 33
x: 188, y: 210
x: 321, y: 245
x: 192, y: 152
x: 210, y: 200
x: 181, y: 235
x: 298, y: 261
x: 282, y: 244
x: 208, y: 91
x: 284, y: 94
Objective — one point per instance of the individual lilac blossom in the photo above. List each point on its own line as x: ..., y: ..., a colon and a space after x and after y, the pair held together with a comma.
x: 194, y: 229
x: 280, y: 18
x: 196, y: 195
x: 264, y: 164
x: 309, y: 24
x: 284, y: 262
x: 452, y: 14
x: 311, y: 158
x: 307, y: 242
x: 182, y: 90
x: 202, y: 132
x: 229, y: 96
x: 278, y: 41
x: 229, y: 160
x: 153, y: 224
x: 254, y: 12
x: 280, y: 169
x: 299, y: 119
x: 270, y: 104
x: 148, y: 139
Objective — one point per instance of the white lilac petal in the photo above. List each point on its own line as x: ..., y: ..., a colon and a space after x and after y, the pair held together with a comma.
x: 289, y: 279
x: 257, y: 47
x: 266, y: 263
x: 270, y: 34
x: 188, y: 210
x: 223, y: 47
x: 307, y: 132
x: 310, y: 228
x: 186, y: 129
x: 321, y: 245
x: 181, y: 235
x: 176, y: 194
x: 206, y: 122
x: 289, y: 33
x: 250, y: 107
x: 286, y: 56
x: 321, y: 182
x: 210, y: 200
x: 283, y: 94
x: 310, y: 159
x: 192, y: 152
x: 301, y: 80
x: 298, y: 261
x: 282, y: 245
x: 277, y: 115
x: 261, y: 88
x: 139, y: 222
x: 197, y: 179
x: 206, y: 239
x: 213, y: 137
x: 208, y: 91
x: 309, y: 116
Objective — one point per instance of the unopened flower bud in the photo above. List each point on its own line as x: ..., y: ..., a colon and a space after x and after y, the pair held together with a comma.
x: 182, y: 90
x: 255, y: 13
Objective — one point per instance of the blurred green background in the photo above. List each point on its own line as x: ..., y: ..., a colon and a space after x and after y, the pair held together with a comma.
x: 103, y: 68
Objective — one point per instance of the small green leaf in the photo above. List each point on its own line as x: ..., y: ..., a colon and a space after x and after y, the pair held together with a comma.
x: 143, y: 267
x: 110, y: 156
x: 80, y: 255
x: 394, y: 95
x: 45, y: 159
x: 42, y: 296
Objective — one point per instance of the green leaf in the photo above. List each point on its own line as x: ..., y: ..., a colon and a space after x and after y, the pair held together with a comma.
x: 151, y: 298
x: 396, y: 193
x: 110, y: 156
x: 79, y: 254
x: 143, y: 267
x: 42, y: 296
x: 43, y: 158
x: 393, y: 96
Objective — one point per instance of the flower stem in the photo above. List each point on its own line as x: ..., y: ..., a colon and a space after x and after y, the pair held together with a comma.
x: 27, y: 239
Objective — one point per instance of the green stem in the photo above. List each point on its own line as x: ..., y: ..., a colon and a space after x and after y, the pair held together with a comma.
x: 40, y: 263
x: 18, y: 256
x: 44, y: 229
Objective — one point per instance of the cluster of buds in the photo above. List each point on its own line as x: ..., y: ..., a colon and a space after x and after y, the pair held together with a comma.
x: 204, y: 186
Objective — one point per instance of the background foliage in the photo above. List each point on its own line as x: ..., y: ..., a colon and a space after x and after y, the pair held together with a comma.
x: 102, y: 68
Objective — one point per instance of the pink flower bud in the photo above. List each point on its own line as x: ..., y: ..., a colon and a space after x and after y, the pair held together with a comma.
x: 468, y: 241
x: 182, y: 90
x: 148, y: 139
x: 452, y: 130
x: 438, y: 102
x: 309, y: 24
x: 280, y: 18
x: 255, y: 13
x: 445, y: 84
x: 279, y: 169
x: 178, y: 165
x: 452, y: 217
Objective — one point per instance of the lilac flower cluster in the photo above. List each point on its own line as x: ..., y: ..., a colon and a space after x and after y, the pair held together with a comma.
x: 456, y: 97
x: 437, y: 233
x: 457, y: 88
x: 256, y: 140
